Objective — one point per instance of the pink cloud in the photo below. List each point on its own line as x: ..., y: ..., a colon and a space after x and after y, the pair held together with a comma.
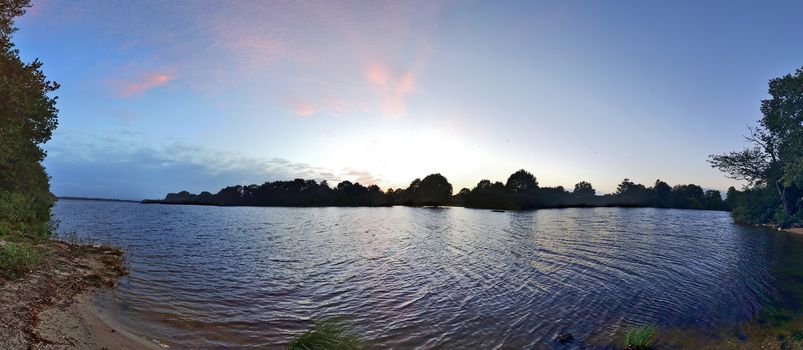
x: 303, y: 109
x: 393, y: 89
x: 129, y: 88
x: 37, y: 7
x: 377, y: 75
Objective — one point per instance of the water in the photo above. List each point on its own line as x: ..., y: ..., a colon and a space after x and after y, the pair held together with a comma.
x: 219, y: 277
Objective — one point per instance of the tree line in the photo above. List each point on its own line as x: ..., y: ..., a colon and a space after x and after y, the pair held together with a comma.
x: 772, y: 167
x: 28, y: 116
x: 520, y: 191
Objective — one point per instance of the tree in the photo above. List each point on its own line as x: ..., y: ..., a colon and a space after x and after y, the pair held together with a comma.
x: 28, y: 116
x: 433, y: 190
x: 584, y: 189
x: 625, y: 186
x: 662, y: 194
x: 730, y: 197
x: 521, y: 181
x: 774, y: 160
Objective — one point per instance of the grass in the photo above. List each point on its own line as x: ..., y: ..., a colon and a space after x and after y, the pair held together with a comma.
x: 16, y: 259
x: 640, y: 338
x: 327, y: 335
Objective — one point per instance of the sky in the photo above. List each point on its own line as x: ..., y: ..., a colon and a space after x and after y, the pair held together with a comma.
x: 163, y: 96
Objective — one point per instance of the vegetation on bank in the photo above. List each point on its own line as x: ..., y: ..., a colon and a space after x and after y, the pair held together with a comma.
x: 27, y: 120
x: 640, y: 338
x: 773, y: 165
x: 326, y: 335
x: 28, y: 116
x: 16, y: 259
x: 520, y: 191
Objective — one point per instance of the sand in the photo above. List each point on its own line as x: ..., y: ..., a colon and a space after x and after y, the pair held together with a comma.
x: 80, y: 326
x: 51, y: 307
x: 798, y: 230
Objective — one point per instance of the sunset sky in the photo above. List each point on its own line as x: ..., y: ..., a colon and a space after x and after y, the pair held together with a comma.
x: 161, y: 96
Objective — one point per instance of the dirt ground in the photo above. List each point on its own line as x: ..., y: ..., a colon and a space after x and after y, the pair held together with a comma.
x: 50, y: 307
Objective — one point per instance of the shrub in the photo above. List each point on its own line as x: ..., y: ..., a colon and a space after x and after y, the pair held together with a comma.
x: 639, y: 338
x: 16, y: 259
x: 24, y: 214
x: 327, y: 335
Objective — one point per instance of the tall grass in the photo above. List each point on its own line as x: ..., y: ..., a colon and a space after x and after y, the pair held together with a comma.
x: 16, y: 259
x: 327, y: 335
x: 639, y: 338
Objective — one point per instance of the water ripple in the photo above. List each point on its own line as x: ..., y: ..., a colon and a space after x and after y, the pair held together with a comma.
x: 251, y: 278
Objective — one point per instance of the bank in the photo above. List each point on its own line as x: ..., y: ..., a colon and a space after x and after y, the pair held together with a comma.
x: 50, y: 305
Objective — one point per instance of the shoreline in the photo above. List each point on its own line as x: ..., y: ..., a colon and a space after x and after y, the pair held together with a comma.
x: 797, y: 230
x: 51, y: 306
x: 81, y: 326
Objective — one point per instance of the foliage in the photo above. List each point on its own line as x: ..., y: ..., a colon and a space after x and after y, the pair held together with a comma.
x: 327, y: 335
x: 28, y: 116
x: 433, y: 190
x: 521, y: 181
x: 20, y: 214
x: 584, y: 189
x: 16, y: 259
x: 487, y: 195
x: 774, y: 163
x: 521, y: 192
x: 639, y: 338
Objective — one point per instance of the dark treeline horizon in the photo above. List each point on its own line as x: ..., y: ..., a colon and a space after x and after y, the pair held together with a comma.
x: 520, y: 192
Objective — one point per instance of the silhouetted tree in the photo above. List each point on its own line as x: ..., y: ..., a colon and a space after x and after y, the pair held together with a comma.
x: 584, y: 189
x: 433, y: 190
x: 521, y: 181
x: 730, y: 197
x: 663, y: 194
x: 489, y: 195
x: 776, y: 159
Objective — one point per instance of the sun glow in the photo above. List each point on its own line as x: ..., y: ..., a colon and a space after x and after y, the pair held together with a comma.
x: 396, y: 157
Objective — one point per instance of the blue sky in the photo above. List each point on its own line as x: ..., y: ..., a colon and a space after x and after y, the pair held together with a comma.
x: 163, y: 96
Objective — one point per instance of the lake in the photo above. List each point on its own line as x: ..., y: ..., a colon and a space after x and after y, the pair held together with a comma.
x: 247, y: 277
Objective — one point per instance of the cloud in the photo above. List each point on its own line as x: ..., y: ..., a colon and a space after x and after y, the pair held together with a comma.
x: 303, y: 109
x: 285, y: 49
x: 143, y: 83
x: 37, y: 7
x: 363, y: 177
x: 392, y: 88
x: 377, y: 75
x: 124, y: 115
x: 131, y: 165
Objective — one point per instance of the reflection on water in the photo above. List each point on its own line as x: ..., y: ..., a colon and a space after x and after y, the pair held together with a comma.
x: 211, y: 277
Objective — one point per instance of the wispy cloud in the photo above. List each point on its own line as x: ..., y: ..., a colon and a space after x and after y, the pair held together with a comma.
x: 38, y: 7
x: 137, y: 166
x: 303, y: 109
x: 392, y: 88
x: 139, y: 85
x: 362, y: 176
x: 319, y: 48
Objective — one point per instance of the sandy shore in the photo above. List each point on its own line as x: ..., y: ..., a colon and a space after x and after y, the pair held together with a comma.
x: 79, y: 326
x: 798, y: 230
x: 51, y: 307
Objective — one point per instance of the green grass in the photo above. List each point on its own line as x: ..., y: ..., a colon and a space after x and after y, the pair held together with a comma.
x: 640, y: 338
x: 16, y: 259
x: 327, y: 335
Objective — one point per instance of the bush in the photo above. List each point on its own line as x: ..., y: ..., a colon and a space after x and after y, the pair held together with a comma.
x: 640, y: 338
x: 16, y: 259
x: 24, y: 214
x: 328, y: 335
